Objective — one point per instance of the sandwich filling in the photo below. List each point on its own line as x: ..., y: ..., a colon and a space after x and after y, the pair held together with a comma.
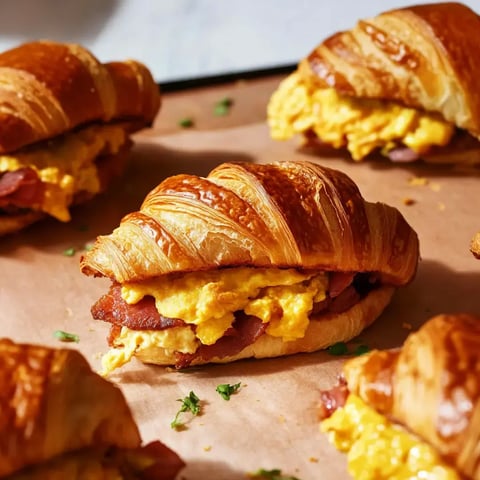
x: 48, y: 176
x: 376, y: 448
x: 361, y: 125
x: 214, y: 314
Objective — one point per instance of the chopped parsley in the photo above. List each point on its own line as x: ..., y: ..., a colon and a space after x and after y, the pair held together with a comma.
x: 275, y: 474
x: 190, y: 403
x: 337, y: 349
x: 69, y: 252
x: 341, y: 348
x: 226, y: 390
x: 186, y: 122
x: 65, y: 336
x: 222, y: 107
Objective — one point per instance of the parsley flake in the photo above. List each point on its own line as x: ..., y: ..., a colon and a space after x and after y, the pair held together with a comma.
x: 190, y: 403
x: 69, y: 252
x: 226, y: 390
x: 361, y: 349
x: 186, y: 122
x: 222, y: 107
x: 65, y: 336
x: 274, y: 474
x: 338, y: 349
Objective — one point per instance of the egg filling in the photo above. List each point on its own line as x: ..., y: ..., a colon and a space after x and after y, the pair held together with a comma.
x: 377, y: 449
x: 359, y: 124
x: 66, y: 165
x: 207, y: 301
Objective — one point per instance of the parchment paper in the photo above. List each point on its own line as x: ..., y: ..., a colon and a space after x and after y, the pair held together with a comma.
x: 272, y: 420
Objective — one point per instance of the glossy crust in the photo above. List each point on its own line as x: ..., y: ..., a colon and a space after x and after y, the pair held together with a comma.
x: 423, y: 56
x: 289, y: 214
x: 432, y: 386
x: 51, y: 402
x: 321, y: 333
x: 48, y: 88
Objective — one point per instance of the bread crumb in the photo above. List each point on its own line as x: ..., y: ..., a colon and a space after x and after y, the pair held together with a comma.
x: 281, y: 419
x: 441, y: 206
x: 69, y: 312
x: 418, y: 181
x: 409, y: 201
x: 313, y: 459
x: 475, y: 245
x: 207, y: 448
x: 407, y: 326
x: 435, y: 187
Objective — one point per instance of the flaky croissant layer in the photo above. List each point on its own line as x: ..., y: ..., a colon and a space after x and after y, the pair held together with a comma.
x: 288, y: 214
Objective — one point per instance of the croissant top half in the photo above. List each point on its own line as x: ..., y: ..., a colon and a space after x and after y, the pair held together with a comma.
x: 51, y: 402
x: 423, y: 56
x: 49, y: 88
x: 432, y: 386
x: 289, y: 214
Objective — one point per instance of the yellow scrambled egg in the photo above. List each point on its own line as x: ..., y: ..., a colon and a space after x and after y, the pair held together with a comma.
x: 67, y: 164
x: 380, y: 450
x: 283, y: 298
x: 360, y: 125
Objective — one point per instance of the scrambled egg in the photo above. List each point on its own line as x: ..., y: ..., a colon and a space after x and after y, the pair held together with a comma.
x: 361, y: 125
x: 379, y: 450
x: 283, y: 298
x: 67, y: 164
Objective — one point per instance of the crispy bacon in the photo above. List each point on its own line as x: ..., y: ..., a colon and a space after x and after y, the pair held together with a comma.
x: 143, y: 315
x: 338, y: 282
x: 245, y: 331
x: 21, y: 188
x: 331, y: 400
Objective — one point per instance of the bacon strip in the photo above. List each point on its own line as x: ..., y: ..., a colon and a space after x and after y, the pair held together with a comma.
x: 21, y: 188
x: 331, y: 400
x: 143, y: 315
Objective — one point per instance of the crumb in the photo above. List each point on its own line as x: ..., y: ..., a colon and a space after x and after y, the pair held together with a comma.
x: 69, y: 312
x: 441, y: 206
x: 281, y: 419
x: 313, y: 459
x: 435, y: 187
x: 170, y: 369
x: 207, y: 448
x: 409, y: 201
x: 418, y: 181
x: 407, y: 326
x: 475, y: 245
x: 98, y: 355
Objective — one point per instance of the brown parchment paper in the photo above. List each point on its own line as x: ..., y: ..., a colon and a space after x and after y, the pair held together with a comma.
x: 271, y: 422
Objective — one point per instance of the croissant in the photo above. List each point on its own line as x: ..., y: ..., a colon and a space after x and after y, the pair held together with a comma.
x: 431, y: 387
x: 65, y: 125
x: 251, y: 261
x: 59, y: 419
x: 475, y: 245
x: 403, y: 84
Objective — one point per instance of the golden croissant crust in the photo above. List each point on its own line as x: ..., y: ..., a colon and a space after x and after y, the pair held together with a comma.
x: 49, y: 88
x: 423, y: 56
x: 51, y: 402
x: 432, y: 386
x: 289, y: 214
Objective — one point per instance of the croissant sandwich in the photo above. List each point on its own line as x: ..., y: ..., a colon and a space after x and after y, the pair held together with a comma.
x: 251, y: 261
x: 65, y: 123
x: 475, y: 245
x: 403, y: 84
x: 60, y: 420
x: 414, y: 412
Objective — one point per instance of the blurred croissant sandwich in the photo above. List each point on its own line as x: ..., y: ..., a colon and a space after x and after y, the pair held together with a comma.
x: 415, y: 412
x: 65, y: 122
x: 251, y: 261
x: 402, y: 83
x: 59, y: 420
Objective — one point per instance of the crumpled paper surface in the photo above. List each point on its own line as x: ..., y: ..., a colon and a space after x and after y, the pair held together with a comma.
x: 271, y: 422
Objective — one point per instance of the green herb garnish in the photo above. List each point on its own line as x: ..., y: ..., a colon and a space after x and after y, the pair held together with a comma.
x: 69, y: 252
x: 186, y: 122
x: 88, y: 246
x: 361, y: 349
x: 190, y: 403
x: 339, y: 348
x: 222, y: 107
x: 275, y: 474
x: 65, y: 336
x: 226, y: 390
